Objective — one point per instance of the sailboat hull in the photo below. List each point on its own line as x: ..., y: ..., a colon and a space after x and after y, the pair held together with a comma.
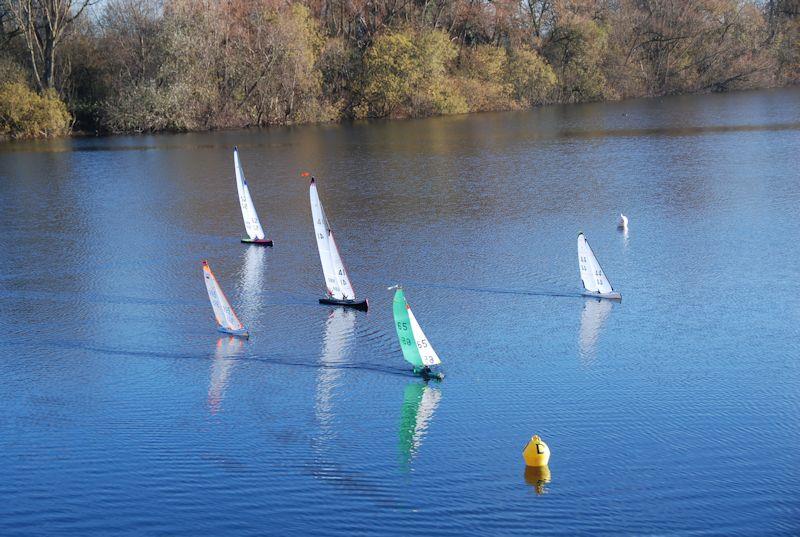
x: 362, y: 305
x: 607, y: 296
x: 238, y: 333
x: 430, y: 375
x: 260, y: 242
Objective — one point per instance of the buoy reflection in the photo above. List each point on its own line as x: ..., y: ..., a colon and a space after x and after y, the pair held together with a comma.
x: 538, y: 477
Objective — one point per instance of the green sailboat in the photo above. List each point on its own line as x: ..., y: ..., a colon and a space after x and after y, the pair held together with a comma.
x: 416, y: 349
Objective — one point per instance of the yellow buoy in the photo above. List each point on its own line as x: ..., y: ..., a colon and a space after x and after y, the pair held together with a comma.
x: 536, y: 453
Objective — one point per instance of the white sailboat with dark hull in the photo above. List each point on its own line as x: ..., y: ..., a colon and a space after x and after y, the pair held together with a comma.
x: 337, y: 283
x: 255, y: 233
x: 227, y: 321
x: 594, y: 280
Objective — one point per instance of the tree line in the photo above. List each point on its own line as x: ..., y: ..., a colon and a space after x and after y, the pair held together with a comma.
x: 153, y: 65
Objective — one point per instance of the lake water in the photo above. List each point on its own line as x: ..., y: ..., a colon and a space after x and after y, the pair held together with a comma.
x: 675, y: 411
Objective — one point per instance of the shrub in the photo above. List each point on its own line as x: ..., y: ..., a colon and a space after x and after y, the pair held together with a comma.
x: 10, y: 71
x: 390, y: 72
x: 577, y: 47
x: 531, y: 77
x: 406, y: 74
x: 26, y: 114
x: 434, y: 91
x: 482, y: 79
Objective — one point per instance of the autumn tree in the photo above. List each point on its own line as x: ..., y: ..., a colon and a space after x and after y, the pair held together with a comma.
x: 43, y: 24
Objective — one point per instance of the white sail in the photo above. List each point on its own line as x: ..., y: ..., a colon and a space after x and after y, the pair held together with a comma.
x: 340, y: 272
x: 594, y: 280
x: 336, y: 279
x: 623, y: 222
x: 226, y: 318
x: 426, y: 352
x: 251, y: 221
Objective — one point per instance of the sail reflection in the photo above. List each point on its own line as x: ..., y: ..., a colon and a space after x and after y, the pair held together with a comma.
x: 419, y: 402
x: 595, y: 312
x: 251, y: 282
x: 335, y: 346
x: 227, y: 350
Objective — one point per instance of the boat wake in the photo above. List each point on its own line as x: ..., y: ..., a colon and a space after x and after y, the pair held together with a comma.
x: 495, y: 290
x: 281, y: 360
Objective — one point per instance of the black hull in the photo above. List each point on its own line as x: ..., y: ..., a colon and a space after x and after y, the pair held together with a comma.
x: 260, y: 242
x: 362, y: 305
x: 438, y: 376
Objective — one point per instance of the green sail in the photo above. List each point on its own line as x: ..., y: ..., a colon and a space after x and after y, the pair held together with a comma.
x: 404, y: 333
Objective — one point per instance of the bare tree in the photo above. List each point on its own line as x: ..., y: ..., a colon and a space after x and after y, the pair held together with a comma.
x: 43, y: 24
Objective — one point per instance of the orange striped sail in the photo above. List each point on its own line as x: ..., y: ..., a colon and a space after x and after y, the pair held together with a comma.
x: 226, y: 318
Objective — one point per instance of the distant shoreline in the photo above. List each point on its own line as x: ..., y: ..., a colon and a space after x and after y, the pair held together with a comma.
x: 345, y: 121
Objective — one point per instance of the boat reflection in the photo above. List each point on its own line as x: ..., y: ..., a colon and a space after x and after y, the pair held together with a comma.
x: 538, y: 477
x: 227, y: 350
x: 251, y: 281
x: 624, y: 232
x: 339, y: 330
x: 419, y: 402
x: 594, y: 314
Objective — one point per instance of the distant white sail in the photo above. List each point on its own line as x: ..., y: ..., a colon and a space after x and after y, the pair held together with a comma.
x: 594, y: 280
x: 623, y: 222
x: 426, y: 352
x: 336, y: 279
x: 226, y: 318
x: 251, y: 221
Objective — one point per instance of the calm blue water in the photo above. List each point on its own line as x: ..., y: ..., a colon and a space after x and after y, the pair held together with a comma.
x: 673, y: 412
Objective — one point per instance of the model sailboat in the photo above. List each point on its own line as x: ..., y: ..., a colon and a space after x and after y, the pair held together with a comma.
x: 255, y: 233
x: 416, y: 349
x: 340, y: 290
x: 594, y: 280
x: 227, y: 320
